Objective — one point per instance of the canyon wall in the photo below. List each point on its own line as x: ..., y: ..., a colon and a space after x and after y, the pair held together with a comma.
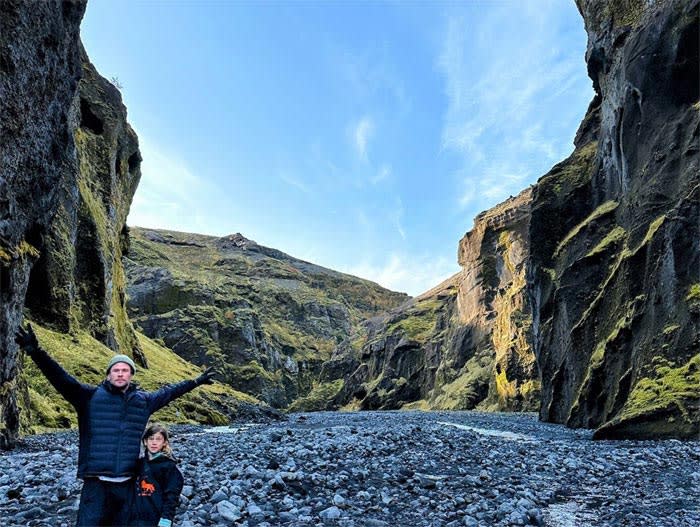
x: 40, y: 67
x: 614, y: 271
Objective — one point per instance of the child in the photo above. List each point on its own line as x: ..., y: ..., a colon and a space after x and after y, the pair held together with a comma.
x: 159, y: 482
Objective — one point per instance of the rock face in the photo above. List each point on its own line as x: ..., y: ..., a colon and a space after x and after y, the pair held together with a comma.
x: 40, y: 67
x: 615, y: 252
x: 464, y: 344
x: 266, y: 319
x: 78, y: 282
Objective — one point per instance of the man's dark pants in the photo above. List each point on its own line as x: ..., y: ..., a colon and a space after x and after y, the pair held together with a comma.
x: 104, y: 503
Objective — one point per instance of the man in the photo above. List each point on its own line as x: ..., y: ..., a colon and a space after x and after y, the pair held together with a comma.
x: 111, y: 419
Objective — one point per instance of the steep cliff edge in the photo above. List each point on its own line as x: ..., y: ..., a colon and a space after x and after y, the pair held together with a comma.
x: 78, y: 280
x: 465, y: 343
x: 40, y: 67
x: 615, y: 252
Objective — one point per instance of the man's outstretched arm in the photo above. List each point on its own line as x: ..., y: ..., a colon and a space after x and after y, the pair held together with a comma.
x: 65, y: 384
x: 159, y: 398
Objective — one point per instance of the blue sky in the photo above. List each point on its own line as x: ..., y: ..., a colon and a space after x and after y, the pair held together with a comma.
x: 361, y: 136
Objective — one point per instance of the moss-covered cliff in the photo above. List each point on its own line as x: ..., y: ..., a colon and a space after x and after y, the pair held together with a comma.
x: 464, y: 344
x: 614, y: 233
x: 266, y: 319
x: 78, y: 281
x: 39, y: 71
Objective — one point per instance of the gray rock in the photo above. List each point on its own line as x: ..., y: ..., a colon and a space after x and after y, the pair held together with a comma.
x: 228, y: 511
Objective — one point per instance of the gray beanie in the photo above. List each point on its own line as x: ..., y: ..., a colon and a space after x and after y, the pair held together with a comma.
x: 122, y: 358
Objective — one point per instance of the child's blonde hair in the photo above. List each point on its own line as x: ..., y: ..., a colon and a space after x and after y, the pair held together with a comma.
x: 157, y: 428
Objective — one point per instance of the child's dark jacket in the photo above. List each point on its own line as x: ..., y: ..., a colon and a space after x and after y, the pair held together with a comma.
x: 157, y: 491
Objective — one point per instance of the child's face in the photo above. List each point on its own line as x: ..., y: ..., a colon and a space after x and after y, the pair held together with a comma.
x: 155, y: 443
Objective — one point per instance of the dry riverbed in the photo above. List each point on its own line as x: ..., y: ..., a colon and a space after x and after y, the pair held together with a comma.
x: 414, y: 469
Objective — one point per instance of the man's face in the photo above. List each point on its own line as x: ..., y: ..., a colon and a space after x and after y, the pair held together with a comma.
x: 120, y: 375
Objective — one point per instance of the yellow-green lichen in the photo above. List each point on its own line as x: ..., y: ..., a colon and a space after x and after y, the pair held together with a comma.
x: 599, y: 212
x: 693, y: 295
x: 671, y: 386
x: 613, y: 237
x: 319, y: 398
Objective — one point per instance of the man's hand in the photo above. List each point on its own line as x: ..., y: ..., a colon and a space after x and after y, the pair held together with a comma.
x: 26, y: 339
x: 207, y: 377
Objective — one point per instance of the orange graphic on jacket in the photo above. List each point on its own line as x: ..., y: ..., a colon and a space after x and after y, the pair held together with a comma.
x: 146, y: 488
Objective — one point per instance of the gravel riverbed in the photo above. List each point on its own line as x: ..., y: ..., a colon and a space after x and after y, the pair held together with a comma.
x: 373, y: 469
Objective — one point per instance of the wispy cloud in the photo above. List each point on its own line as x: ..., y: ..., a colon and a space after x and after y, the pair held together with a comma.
x: 295, y: 182
x: 405, y: 273
x: 509, y: 93
x: 397, y: 217
x: 363, y: 131
x: 382, y: 174
x: 372, y: 75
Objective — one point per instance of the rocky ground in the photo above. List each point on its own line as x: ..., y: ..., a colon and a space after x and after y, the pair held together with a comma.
x: 388, y: 469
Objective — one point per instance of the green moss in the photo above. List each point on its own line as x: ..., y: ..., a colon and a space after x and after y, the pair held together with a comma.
x: 693, y: 295
x: 669, y: 387
x: 530, y: 388
x: 252, y: 371
x: 504, y: 239
x: 465, y: 391
x: 572, y: 173
x: 506, y: 389
x: 418, y: 322
x: 305, y: 345
x: 651, y: 231
x: 671, y: 329
x: 551, y: 273
x: 624, y: 12
x: 613, y: 237
x: 597, y: 359
x: 22, y: 250
x: 319, y: 398
x: 602, y: 210
x: 420, y: 404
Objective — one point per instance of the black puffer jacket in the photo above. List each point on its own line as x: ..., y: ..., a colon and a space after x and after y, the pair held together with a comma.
x: 110, y: 421
x: 157, y: 491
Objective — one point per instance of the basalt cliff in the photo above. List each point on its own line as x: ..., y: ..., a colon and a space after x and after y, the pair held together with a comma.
x: 614, y: 272
x: 38, y: 47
